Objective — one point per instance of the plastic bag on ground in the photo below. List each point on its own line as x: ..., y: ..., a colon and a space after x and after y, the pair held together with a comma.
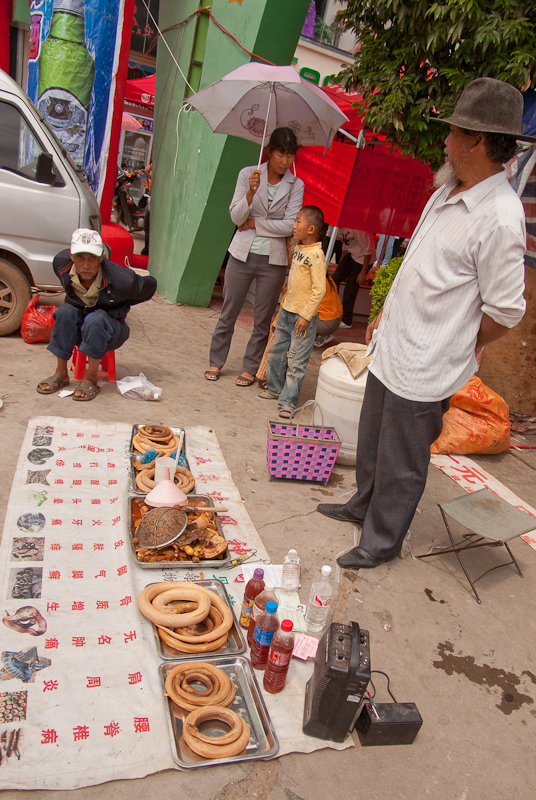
x: 137, y: 387
x: 476, y: 422
x: 37, y: 322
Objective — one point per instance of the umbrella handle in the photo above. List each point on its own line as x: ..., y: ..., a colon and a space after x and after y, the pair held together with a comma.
x: 266, y: 123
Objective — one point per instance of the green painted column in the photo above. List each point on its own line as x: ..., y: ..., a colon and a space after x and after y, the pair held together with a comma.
x: 194, y: 169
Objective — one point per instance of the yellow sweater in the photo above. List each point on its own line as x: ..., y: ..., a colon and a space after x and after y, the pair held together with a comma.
x: 306, y: 280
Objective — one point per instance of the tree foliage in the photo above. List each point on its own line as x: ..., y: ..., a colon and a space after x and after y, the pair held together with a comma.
x: 415, y: 57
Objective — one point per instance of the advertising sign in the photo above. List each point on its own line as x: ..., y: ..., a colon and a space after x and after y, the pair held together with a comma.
x: 73, y: 56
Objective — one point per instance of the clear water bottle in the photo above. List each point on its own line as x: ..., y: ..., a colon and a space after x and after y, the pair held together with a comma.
x: 318, y: 607
x: 291, y: 572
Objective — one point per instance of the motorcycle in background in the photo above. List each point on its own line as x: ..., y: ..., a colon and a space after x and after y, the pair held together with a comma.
x: 129, y: 203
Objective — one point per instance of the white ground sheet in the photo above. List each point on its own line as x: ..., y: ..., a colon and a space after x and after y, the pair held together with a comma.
x: 80, y: 697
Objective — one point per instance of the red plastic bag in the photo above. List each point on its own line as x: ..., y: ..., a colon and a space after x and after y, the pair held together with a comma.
x: 37, y: 322
x: 477, y: 421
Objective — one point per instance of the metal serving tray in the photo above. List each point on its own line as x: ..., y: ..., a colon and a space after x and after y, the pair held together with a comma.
x: 234, y: 645
x: 206, y: 563
x: 248, y: 703
x: 134, y: 455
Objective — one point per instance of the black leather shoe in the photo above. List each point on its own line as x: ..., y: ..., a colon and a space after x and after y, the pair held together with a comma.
x: 337, y: 511
x: 358, y: 559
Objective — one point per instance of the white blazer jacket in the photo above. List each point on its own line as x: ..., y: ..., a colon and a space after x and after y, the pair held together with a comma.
x: 275, y: 222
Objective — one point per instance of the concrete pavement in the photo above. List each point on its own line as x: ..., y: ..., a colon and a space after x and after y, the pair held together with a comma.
x: 470, y: 669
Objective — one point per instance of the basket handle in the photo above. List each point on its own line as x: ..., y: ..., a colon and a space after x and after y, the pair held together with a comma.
x: 301, y: 409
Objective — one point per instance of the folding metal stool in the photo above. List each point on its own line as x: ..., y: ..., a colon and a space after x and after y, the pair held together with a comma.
x: 490, y: 519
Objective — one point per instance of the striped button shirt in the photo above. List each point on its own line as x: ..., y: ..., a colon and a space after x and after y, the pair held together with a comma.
x: 465, y: 259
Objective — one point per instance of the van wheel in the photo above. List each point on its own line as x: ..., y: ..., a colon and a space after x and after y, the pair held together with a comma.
x: 15, y: 294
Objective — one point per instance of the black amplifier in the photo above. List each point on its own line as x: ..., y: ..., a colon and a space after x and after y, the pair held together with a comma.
x: 335, y: 690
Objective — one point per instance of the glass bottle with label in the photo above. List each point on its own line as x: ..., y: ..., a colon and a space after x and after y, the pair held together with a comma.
x: 66, y: 75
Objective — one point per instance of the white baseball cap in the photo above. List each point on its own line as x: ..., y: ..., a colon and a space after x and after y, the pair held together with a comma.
x: 84, y: 240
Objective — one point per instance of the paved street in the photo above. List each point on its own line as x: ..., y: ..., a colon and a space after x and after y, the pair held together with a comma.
x: 471, y: 669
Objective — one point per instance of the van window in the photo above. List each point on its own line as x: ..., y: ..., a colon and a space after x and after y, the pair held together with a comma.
x: 19, y: 149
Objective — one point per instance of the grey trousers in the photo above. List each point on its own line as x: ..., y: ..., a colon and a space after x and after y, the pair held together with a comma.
x: 393, y: 453
x: 238, y: 278
x: 327, y: 327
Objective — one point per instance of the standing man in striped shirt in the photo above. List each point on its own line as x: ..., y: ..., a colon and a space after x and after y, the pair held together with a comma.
x: 459, y: 288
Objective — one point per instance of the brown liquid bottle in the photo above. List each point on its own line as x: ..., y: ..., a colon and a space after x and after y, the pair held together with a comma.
x: 253, y: 588
x: 268, y: 593
x: 279, y: 657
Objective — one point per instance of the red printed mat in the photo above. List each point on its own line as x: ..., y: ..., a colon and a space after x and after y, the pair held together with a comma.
x: 80, y: 697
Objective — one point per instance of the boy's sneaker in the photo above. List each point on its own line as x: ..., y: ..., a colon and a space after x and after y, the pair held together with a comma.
x: 344, y: 325
x: 320, y: 341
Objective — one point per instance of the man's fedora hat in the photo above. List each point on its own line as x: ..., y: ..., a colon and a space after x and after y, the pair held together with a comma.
x: 490, y: 106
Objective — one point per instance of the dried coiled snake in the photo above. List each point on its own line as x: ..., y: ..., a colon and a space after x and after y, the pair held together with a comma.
x: 220, y: 689
x: 183, y: 478
x: 173, y: 621
x: 176, y: 641
x: 169, y: 616
x: 156, y: 433
x: 140, y: 444
x: 230, y: 744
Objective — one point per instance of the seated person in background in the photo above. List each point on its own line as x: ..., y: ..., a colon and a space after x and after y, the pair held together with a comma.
x: 98, y: 296
x: 359, y: 251
x: 329, y: 314
x: 295, y: 332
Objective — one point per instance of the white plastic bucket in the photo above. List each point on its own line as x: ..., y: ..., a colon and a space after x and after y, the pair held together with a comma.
x: 341, y: 398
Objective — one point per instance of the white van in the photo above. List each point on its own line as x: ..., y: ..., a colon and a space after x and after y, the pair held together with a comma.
x: 44, y: 197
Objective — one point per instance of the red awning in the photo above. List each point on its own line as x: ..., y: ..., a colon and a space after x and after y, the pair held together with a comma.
x: 141, y: 91
x: 366, y: 189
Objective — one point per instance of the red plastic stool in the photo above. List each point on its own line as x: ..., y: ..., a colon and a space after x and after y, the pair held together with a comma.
x: 79, y: 361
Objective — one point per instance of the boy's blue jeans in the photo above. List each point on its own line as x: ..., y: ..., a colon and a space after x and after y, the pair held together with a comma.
x: 287, y: 358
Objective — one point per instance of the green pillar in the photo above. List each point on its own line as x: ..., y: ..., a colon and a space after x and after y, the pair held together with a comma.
x: 195, y: 170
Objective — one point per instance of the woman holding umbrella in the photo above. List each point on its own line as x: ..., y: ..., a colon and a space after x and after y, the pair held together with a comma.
x: 264, y: 206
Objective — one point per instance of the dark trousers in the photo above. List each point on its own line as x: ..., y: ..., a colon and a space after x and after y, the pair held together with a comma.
x: 348, y: 270
x: 146, y: 228
x: 94, y: 334
x: 239, y: 276
x: 393, y: 453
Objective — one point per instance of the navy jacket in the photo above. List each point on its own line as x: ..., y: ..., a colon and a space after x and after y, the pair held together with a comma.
x: 121, y: 287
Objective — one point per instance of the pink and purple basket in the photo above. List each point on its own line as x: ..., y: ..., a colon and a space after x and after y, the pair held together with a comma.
x: 301, y: 452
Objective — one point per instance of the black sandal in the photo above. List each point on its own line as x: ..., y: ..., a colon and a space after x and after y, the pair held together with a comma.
x: 213, y: 373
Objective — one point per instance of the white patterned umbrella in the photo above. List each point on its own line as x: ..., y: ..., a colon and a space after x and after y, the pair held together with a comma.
x: 253, y: 100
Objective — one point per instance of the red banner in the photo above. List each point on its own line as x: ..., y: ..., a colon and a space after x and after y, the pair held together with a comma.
x: 365, y: 189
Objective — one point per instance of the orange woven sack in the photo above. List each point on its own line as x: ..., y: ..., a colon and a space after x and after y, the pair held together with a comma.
x: 476, y: 422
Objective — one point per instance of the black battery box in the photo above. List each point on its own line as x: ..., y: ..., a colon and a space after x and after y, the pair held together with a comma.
x: 335, y: 690
x: 388, y: 723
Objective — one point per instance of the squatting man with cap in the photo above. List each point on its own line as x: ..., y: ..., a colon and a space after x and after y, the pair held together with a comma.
x: 459, y: 288
x: 98, y: 297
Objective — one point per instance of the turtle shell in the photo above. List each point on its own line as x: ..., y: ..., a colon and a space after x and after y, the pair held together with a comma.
x: 160, y: 526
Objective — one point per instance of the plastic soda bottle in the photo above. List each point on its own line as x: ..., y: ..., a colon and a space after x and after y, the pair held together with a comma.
x: 268, y: 593
x: 66, y: 75
x: 319, y: 601
x: 253, y: 587
x: 291, y: 572
x: 279, y: 657
x: 267, y: 625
